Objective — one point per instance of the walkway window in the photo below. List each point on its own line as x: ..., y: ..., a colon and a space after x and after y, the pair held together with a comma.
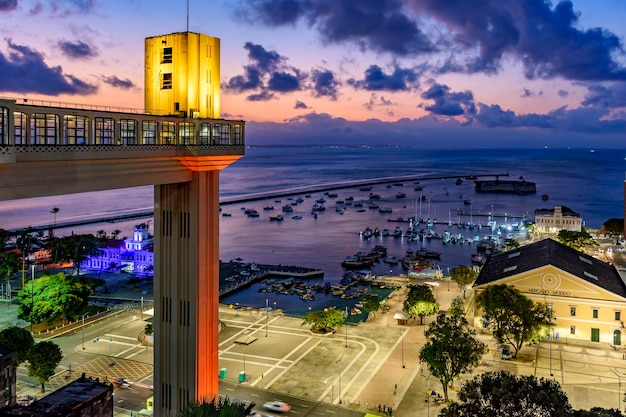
x: 187, y: 133
x: 237, y: 135
x: 128, y: 131
x: 594, y: 313
x: 75, y: 130
x: 19, y: 127
x: 618, y: 315
x: 4, y: 126
x: 572, y: 311
x: 166, y: 81
x: 104, y: 131
x: 205, y: 133
x: 149, y: 132
x: 221, y: 134
x: 168, y: 133
x: 44, y: 129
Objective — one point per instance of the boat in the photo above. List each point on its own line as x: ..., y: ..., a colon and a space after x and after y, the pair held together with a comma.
x: 277, y: 218
x: 250, y: 212
x: 268, y: 207
x: 299, y: 200
x: 397, y: 232
x: 287, y: 208
x: 459, y: 181
x: 226, y: 214
x: 385, y: 210
x: 297, y: 217
x: 373, y: 196
x: 366, y: 188
x: 391, y: 260
x: 544, y: 197
x: 467, y: 201
x: 318, y: 207
x: 400, y: 195
x: 427, y: 253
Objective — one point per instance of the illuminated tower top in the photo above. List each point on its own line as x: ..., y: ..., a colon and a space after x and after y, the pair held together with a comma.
x: 182, y: 75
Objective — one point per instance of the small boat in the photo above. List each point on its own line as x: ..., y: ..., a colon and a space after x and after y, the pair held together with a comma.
x: 544, y: 197
x: 366, y: 188
x: 400, y: 195
x: 467, y: 201
x: 277, y: 218
x: 385, y: 210
x: 373, y: 196
x: 477, y: 259
x: 297, y: 217
x: 287, y: 208
x: 459, y: 181
x: 391, y: 260
x: 226, y: 214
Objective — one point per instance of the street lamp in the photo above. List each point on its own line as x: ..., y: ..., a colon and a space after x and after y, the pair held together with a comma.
x: 402, y: 344
x: 32, y: 295
x: 84, y: 330
x: 346, y: 324
x: 266, y: 315
x: 339, y: 394
x: 619, y: 390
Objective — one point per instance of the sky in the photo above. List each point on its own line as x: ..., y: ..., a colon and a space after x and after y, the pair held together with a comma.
x: 425, y: 73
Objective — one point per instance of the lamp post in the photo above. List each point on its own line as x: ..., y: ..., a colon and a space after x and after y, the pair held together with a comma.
x: 266, y: 315
x: 274, y: 306
x: 339, y: 394
x: 32, y: 295
x: 332, y: 387
x: 346, y: 324
x: 84, y: 330
x: 402, y: 344
x: 619, y: 390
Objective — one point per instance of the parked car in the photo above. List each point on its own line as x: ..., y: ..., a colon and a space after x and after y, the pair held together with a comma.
x: 506, y: 354
x: 277, y: 406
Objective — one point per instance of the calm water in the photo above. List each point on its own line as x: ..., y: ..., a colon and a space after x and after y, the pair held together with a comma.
x: 590, y: 183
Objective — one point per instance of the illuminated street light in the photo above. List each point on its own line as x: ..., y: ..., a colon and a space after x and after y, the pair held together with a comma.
x: 84, y: 330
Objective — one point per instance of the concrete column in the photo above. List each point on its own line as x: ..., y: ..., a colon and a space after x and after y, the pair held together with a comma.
x: 186, y: 291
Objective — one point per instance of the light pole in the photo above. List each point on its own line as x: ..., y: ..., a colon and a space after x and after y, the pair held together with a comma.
x: 84, y: 330
x: 339, y: 394
x: 266, y: 315
x: 274, y: 306
x: 619, y: 390
x: 332, y: 387
x: 402, y: 344
x: 32, y: 295
x: 346, y: 324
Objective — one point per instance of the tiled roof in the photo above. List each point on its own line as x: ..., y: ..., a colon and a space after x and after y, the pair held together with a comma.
x: 550, y: 252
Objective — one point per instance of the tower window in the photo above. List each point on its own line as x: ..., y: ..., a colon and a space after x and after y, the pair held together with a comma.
x: 166, y: 57
x: 166, y: 81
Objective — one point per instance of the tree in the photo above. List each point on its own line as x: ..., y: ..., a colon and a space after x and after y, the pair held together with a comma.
x: 463, y: 275
x: 52, y: 297
x: 75, y: 248
x: 451, y: 349
x: 19, y: 340
x: 43, y: 359
x: 421, y: 302
x: 511, y: 243
x: 10, y: 265
x: 577, y: 240
x: 148, y: 330
x: 217, y: 407
x: 516, y: 318
x: 324, y: 321
x: 457, y: 307
x: 614, y: 227
x: 497, y: 394
x: 4, y: 238
x: 371, y: 302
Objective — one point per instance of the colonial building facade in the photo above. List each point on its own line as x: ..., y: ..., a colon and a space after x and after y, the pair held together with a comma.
x: 587, y: 296
x: 557, y: 219
x: 134, y: 254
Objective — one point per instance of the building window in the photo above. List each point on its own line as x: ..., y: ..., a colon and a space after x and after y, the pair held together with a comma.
x: 166, y: 57
x: 595, y: 313
x: 572, y: 330
x: 128, y: 131
x: 75, y: 129
x: 149, y: 132
x: 44, y: 129
x: 572, y: 311
x: 104, y: 131
x: 166, y: 81
x: 618, y: 315
x: 595, y: 335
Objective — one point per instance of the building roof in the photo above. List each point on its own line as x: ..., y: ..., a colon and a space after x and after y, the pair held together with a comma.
x: 550, y: 252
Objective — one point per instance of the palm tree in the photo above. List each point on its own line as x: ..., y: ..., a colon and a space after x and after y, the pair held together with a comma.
x: 9, y: 266
x: 54, y: 211
x: 116, y: 233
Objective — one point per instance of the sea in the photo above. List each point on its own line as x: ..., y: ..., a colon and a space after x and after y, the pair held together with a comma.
x: 589, y: 182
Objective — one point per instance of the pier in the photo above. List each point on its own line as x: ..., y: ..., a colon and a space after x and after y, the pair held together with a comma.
x: 267, y: 271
